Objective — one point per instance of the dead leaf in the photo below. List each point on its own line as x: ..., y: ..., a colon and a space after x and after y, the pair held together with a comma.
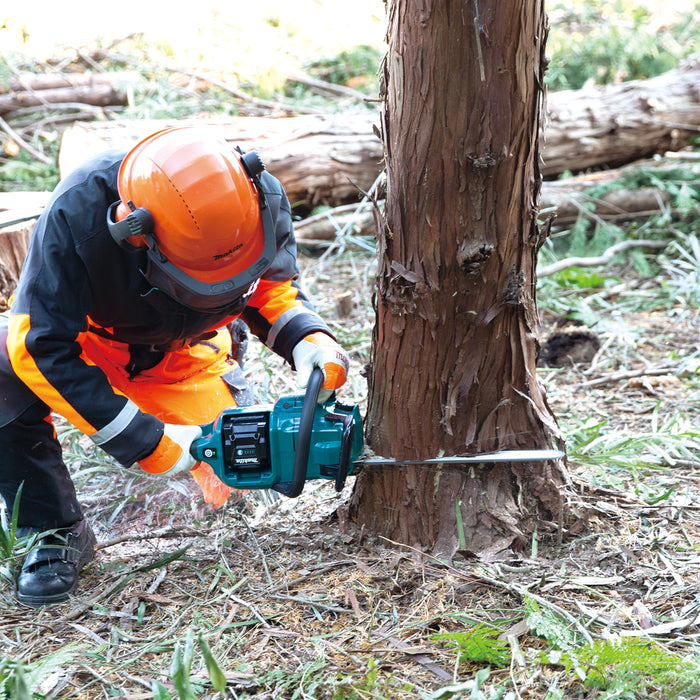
x: 642, y: 614
x: 351, y: 598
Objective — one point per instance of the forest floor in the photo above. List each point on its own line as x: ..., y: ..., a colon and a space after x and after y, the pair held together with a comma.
x: 289, y: 600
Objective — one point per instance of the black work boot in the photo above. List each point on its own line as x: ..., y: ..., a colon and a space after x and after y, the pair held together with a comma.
x: 50, y: 571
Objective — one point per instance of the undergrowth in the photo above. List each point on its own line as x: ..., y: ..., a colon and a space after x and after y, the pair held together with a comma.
x: 197, y: 615
x: 610, y: 41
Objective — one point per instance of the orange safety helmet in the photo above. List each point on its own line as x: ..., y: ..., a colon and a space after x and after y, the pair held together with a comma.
x: 198, y: 207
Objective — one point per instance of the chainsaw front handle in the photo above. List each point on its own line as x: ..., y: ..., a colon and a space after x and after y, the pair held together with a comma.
x: 293, y: 488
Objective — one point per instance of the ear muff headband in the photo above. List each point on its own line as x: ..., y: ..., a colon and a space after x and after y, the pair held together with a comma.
x: 139, y: 222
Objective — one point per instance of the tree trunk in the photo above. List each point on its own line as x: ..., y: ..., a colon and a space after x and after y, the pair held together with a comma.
x: 454, y: 348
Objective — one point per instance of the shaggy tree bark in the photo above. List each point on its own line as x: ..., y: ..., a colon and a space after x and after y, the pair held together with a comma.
x: 454, y: 348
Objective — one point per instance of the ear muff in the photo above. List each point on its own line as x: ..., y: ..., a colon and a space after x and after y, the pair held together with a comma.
x: 138, y: 222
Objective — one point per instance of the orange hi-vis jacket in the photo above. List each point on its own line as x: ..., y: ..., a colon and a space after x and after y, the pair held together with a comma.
x: 77, y: 285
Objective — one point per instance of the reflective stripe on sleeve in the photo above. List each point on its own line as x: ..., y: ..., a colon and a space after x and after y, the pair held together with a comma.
x: 118, y: 425
x: 284, y: 319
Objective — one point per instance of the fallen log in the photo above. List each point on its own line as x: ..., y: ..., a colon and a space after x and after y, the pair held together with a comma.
x: 33, y: 82
x: 566, y: 199
x: 569, y: 203
x: 13, y: 249
x: 97, y: 95
x: 569, y: 197
x: 324, y: 231
x: 25, y: 90
x: 324, y: 159
x: 617, y: 124
x: 320, y: 159
x: 17, y: 212
x: 18, y: 205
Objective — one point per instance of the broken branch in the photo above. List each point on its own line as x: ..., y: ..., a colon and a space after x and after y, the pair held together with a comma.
x: 603, y: 259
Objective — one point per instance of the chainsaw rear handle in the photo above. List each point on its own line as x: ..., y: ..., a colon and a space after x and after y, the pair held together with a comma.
x: 293, y: 488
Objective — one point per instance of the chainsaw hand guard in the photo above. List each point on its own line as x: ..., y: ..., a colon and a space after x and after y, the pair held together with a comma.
x: 293, y: 488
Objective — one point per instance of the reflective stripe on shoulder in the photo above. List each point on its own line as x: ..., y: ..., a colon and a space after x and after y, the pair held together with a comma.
x: 118, y: 425
x: 284, y: 319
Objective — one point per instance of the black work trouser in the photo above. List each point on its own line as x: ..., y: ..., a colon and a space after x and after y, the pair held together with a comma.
x: 30, y: 454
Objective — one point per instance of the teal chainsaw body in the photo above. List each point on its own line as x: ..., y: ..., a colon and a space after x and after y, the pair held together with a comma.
x: 282, y: 445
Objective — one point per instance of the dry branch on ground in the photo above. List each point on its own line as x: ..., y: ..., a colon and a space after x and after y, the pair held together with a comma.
x: 98, y: 89
x: 277, y: 590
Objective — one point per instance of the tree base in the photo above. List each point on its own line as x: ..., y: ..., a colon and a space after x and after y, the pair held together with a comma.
x: 482, y: 511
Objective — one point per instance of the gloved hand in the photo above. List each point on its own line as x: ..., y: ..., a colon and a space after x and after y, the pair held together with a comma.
x: 172, y: 454
x: 320, y: 350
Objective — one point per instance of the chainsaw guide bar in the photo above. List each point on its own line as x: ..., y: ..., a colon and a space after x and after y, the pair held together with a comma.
x: 490, y: 457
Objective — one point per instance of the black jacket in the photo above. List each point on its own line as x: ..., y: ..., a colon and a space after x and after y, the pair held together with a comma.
x: 77, y: 280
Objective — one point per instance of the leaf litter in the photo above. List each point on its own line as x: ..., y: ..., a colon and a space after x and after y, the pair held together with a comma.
x: 286, y: 599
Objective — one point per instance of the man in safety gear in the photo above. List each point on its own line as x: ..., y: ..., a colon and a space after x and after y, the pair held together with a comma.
x: 138, y: 271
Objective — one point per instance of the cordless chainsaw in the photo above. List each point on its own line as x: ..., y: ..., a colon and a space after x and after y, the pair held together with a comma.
x: 282, y: 446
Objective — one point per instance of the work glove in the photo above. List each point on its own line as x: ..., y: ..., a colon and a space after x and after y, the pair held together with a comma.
x: 320, y: 350
x: 172, y: 454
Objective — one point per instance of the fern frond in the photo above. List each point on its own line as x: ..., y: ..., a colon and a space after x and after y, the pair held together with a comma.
x: 637, y: 665
x: 548, y: 625
x: 479, y: 644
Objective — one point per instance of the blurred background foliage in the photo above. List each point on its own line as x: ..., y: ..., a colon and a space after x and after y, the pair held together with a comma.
x: 590, y: 41
x: 610, y: 41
